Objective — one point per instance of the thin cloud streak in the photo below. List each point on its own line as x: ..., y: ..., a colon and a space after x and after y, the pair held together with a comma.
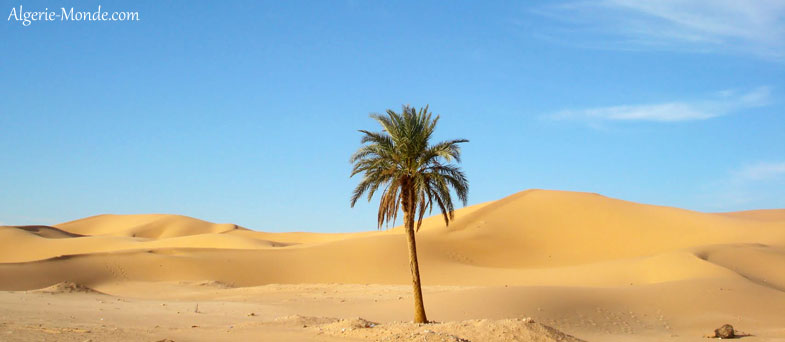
x: 724, y: 103
x: 762, y: 171
x: 744, y: 27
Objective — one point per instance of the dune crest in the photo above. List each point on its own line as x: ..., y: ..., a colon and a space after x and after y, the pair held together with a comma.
x: 44, y: 231
x: 151, y: 226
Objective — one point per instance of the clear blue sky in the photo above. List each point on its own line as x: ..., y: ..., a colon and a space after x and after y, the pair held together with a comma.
x: 247, y: 111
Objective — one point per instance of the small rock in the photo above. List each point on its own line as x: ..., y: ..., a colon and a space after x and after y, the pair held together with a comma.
x: 725, y: 331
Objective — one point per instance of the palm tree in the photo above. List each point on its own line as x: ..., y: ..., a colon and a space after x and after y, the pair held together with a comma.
x: 415, y: 177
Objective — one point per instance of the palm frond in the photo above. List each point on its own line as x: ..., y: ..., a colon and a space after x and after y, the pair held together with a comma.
x: 400, y: 160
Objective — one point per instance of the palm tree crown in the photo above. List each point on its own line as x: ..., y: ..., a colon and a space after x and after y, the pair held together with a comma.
x: 415, y: 176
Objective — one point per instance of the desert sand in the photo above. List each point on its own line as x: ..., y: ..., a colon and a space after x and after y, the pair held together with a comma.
x: 535, y: 266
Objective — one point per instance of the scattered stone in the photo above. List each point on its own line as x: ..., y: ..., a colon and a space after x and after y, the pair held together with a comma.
x: 725, y: 331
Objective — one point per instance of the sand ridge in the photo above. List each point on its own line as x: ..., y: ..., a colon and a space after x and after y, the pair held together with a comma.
x: 67, y: 287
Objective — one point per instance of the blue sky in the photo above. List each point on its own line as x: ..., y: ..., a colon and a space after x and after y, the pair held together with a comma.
x: 247, y: 111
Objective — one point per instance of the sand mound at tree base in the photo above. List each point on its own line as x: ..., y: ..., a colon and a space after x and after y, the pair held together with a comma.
x: 524, y: 329
x: 67, y: 287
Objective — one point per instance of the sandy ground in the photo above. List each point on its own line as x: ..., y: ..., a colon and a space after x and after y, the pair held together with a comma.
x: 535, y: 266
x: 209, y: 312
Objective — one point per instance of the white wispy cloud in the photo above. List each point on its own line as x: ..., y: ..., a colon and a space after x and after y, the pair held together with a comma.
x: 723, y: 103
x: 737, y: 26
x: 761, y: 171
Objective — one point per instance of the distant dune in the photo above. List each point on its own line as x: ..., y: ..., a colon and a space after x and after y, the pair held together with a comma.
x: 144, y: 226
x: 532, y: 237
x: 583, y: 248
x: 763, y: 214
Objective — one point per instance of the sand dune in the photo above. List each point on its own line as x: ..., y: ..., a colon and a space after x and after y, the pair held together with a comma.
x: 570, y: 253
x: 47, y: 232
x: 29, y: 246
x: 764, y: 214
x: 144, y: 226
x: 550, y: 228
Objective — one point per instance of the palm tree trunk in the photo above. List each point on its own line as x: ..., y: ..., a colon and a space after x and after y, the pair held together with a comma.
x: 408, y: 217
